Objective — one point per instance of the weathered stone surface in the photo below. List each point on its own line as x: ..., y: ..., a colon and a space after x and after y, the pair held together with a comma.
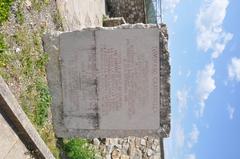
x: 125, y: 157
x: 52, y: 46
x: 96, y: 142
x: 133, y: 11
x: 165, y: 108
x: 143, y: 142
x: 125, y: 144
x: 103, y: 102
x: 116, y: 154
x: 111, y: 22
x: 78, y: 72
x: 149, y: 152
x: 126, y: 69
x: 129, y: 149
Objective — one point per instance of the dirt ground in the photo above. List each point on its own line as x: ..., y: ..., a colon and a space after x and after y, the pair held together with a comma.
x: 78, y: 14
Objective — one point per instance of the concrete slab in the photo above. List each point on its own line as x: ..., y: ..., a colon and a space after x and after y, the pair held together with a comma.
x: 10, y: 143
x: 7, y: 137
x: 18, y: 151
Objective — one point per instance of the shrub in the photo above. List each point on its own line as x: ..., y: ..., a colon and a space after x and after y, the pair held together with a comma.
x: 4, y: 10
x: 78, y: 149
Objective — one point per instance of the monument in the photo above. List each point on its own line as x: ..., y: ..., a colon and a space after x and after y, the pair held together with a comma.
x: 110, y: 82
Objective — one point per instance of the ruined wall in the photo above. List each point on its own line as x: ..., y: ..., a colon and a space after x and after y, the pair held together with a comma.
x: 165, y: 71
x: 133, y: 11
x: 127, y: 148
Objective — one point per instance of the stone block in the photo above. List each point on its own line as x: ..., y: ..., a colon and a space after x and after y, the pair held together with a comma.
x: 109, y: 82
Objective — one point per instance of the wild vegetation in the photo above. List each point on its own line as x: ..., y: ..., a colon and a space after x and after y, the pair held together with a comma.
x: 78, y: 149
x: 22, y: 65
x: 4, y: 9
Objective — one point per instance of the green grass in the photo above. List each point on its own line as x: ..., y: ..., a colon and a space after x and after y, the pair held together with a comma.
x: 19, y: 13
x: 39, y: 4
x: 5, y: 6
x: 43, y: 102
x: 57, y: 20
x: 78, y: 149
x: 26, y: 70
x: 4, y: 56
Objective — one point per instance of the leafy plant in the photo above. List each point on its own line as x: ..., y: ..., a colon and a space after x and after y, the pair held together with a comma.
x: 19, y: 13
x: 43, y: 102
x: 57, y: 20
x: 39, y: 4
x: 4, y: 55
x: 4, y: 10
x: 47, y: 134
x: 78, y: 149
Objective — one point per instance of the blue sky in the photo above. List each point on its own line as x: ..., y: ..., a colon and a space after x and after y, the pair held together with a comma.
x: 205, y: 57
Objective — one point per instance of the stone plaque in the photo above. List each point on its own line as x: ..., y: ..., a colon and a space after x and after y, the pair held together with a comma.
x: 78, y: 68
x: 128, y: 79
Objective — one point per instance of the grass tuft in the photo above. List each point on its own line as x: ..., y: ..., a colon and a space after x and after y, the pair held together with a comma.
x: 38, y: 5
x: 19, y: 13
x: 4, y: 56
x: 43, y: 102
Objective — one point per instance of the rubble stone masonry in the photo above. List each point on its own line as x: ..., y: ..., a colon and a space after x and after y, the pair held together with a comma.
x: 133, y: 11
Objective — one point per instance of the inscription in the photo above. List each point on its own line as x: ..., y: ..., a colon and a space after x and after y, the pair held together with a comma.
x: 110, y: 80
x: 155, y: 78
x: 136, y: 79
x: 128, y: 79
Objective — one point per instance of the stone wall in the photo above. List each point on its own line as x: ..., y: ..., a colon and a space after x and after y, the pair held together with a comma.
x: 129, y: 148
x: 165, y: 71
x: 111, y: 22
x: 133, y: 11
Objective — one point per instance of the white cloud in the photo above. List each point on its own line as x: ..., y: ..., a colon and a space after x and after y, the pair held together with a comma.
x: 170, y: 5
x: 231, y: 111
x: 180, y: 72
x: 189, y: 73
x: 205, y: 85
x: 234, y: 69
x: 193, y: 136
x: 191, y: 156
x: 175, y: 18
x: 182, y: 97
x: 211, y: 35
x: 180, y: 136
